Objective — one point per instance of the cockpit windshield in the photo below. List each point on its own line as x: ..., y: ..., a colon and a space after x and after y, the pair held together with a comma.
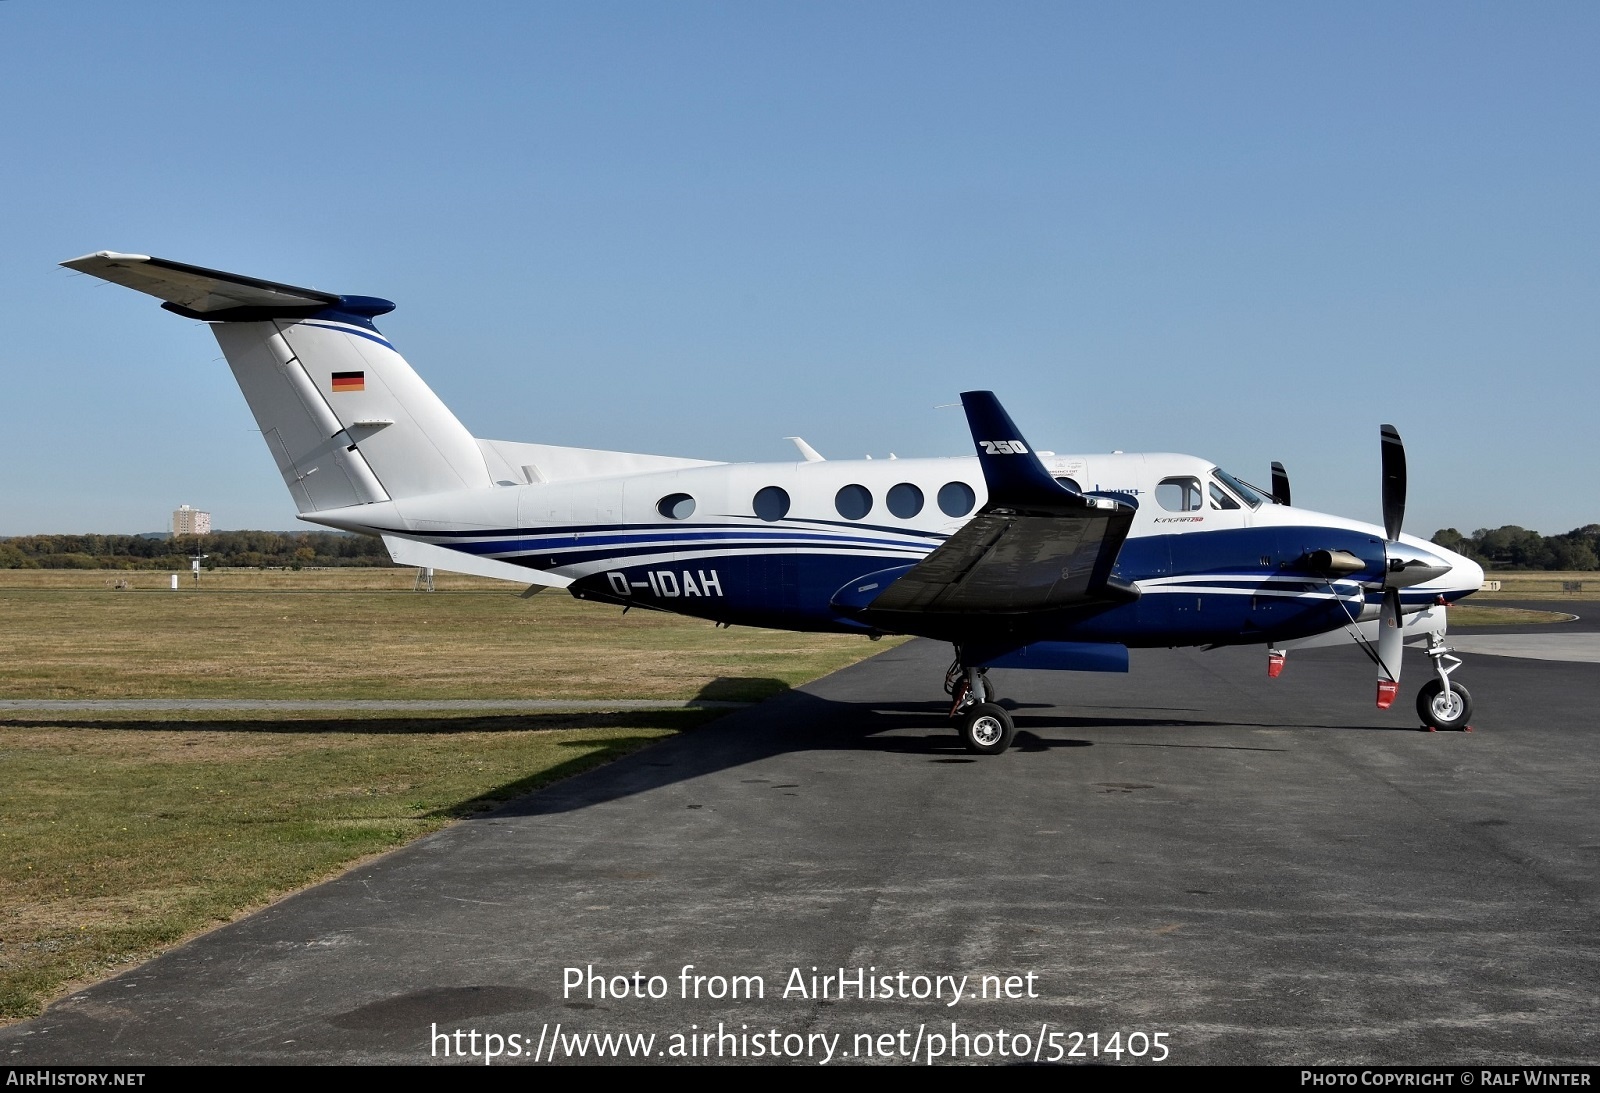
x: 1248, y: 493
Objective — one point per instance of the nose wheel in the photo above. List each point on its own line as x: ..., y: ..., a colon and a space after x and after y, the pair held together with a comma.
x: 1444, y: 710
x: 1443, y: 705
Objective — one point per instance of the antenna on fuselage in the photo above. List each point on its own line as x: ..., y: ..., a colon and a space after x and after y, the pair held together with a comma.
x: 807, y: 452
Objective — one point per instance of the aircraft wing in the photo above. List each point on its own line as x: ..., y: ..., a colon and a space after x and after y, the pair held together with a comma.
x: 1035, y: 546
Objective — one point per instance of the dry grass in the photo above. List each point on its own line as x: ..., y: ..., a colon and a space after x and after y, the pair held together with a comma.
x: 122, y: 834
x: 1467, y: 615
x: 365, y: 634
x: 1540, y: 585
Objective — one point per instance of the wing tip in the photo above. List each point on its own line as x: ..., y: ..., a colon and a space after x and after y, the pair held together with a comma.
x: 103, y: 256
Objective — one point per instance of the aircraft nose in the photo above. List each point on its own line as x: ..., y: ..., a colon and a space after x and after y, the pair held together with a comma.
x: 1465, y: 573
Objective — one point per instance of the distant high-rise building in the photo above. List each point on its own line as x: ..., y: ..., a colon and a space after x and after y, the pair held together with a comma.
x: 188, y: 521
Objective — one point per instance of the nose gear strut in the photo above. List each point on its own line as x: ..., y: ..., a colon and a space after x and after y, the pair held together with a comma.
x: 1441, y: 704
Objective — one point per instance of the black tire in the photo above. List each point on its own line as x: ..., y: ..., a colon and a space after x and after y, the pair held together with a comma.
x: 1439, y: 712
x: 986, y: 729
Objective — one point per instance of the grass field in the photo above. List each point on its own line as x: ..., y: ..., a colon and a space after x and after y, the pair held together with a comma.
x: 362, y: 633
x: 1468, y: 615
x: 1540, y: 585
x: 122, y: 834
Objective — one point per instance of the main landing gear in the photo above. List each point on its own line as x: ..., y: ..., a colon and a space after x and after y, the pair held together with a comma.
x: 986, y: 728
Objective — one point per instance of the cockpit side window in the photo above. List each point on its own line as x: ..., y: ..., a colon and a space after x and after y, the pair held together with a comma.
x: 1220, y: 498
x: 1240, y: 488
x: 1179, y: 494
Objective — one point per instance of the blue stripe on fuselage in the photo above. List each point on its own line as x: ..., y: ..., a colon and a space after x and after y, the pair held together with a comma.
x: 1232, y: 586
x: 667, y: 539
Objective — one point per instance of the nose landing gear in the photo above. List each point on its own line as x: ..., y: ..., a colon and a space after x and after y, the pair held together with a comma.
x: 1442, y: 704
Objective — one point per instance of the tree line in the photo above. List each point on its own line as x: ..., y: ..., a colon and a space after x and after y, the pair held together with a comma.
x: 1512, y: 547
x: 256, y: 549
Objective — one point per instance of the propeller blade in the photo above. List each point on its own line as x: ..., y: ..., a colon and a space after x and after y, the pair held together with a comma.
x: 1390, y: 649
x: 1280, y: 484
x: 1394, y: 482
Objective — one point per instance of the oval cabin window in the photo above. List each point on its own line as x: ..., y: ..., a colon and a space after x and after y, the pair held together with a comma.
x: 771, y: 503
x: 853, y: 502
x: 676, y: 506
x: 956, y: 499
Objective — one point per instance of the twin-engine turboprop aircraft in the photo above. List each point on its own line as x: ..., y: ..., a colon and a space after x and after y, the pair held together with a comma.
x: 1018, y: 558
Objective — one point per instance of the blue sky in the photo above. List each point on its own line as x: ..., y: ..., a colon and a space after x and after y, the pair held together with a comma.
x: 1245, y: 231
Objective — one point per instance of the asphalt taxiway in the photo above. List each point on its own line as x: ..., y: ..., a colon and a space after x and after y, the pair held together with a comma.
x: 1261, y: 871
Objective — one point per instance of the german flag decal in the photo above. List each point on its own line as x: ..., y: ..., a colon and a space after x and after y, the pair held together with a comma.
x: 349, y: 381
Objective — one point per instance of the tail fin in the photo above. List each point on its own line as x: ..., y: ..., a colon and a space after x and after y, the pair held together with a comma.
x: 346, y: 418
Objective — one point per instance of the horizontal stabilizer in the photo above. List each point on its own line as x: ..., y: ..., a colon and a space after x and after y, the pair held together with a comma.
x: 199, y: 293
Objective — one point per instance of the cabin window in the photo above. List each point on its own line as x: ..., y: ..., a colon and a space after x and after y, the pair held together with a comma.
x: 771, y: 503
x: 853, y: 502
x: 1220, y: 498
x: 905, y: 500
x: 956, y: 499
x: 1179, y: 494
x: 676, y: 506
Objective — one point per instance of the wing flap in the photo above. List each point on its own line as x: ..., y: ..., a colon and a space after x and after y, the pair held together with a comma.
x: 1005, y: 563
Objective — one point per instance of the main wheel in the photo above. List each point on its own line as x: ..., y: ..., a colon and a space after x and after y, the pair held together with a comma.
x: 1444, y: 711
x: 986, y: 729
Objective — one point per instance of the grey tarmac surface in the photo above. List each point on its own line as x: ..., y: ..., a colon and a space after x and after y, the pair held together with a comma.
x: 1264, y: 871
x: 1577, y: 639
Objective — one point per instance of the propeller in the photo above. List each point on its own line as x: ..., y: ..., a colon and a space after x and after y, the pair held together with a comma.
x: 1394, y: 483
x: 1390, y: 632
x: 1280, y: 484
x: 1404, y: 564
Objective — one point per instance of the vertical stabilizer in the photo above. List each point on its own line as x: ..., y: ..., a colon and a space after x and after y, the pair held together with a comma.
x: 346, y: 418
x: 305, y: 437
x: 373, y: 404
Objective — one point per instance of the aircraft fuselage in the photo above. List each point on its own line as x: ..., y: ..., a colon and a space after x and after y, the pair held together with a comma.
x: 781, y: 544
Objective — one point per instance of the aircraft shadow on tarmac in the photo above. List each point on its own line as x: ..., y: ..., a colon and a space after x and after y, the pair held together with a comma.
x: 802, y: 722
x: 790, y: 722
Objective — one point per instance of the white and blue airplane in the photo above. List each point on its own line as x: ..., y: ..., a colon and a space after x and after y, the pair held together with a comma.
x: 1018, y: 558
